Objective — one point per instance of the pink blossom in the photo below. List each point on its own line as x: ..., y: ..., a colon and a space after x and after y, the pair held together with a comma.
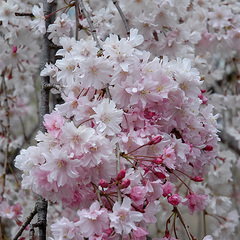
x: 139, y: 234
x: 62, y: 26
x: 169, y: 157
x: 38, y: 24
x: 61, y: 167
x: 65, y: 229
x: 7, y: 12
x: 220, y: 16
x: 137, y: 195
x: 107, y: 117
x: 93, y: 221
x: 195, y: 202
x: 53, y: 123
x: 95, y: 72
x: 76, y: 137
x: 123, y: 218
x: 6, y: 210
x: 167, y: 188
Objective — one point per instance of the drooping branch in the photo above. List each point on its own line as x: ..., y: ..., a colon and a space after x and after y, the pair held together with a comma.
x: 116, y: 3
x: 6, y: 107
x: 77, y: 18
x: 41, y: 203
x: 87, y: 16
x: 26, y: 223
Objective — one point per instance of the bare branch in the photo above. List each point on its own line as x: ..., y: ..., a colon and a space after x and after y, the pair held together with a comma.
x: 77, y: 18
x: 87, y: 16
x: 116, y: 3
x: 7, y: 135
x: 26, y: 223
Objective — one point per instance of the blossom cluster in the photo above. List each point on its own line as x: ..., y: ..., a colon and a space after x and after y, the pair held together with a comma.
x: 120, y: 108
x: 136, y: 133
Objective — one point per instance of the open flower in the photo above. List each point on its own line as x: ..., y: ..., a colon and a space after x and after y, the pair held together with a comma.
x: 123, y: 218
x: 108, y: 117
x: 93, y: 221
x: 195, y: 202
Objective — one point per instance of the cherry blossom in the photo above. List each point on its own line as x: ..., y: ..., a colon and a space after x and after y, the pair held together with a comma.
x: 195, y: 202
x: 123, y: 218
x: 132, y: 130
x: 94, y: 221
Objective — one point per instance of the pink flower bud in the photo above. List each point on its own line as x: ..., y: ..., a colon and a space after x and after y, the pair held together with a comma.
x: 197, y: 179
x: 125, y: 183
x: 158, y: 160
x: 103, y: 183
x: 155, y: 140
x: 208, y: 148
x: 109, y: 231
x: 14, y: 49
x: 160, y: 175
x: 175, y: 199
x: 203, y: 90
x: 121, y: 175
x: 203, y: 98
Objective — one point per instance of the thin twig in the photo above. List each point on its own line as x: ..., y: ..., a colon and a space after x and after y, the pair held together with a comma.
x: 183, y: 223
x: 98, y: 194
x: 108, y: 92
x: 26, y: 223
x: 87, y: 16
x: 24, y: 14
x: 7, y: 135
x: 204, y: 223
x: 116, y: 3
x: 77, y: 19
x: 118, y: 170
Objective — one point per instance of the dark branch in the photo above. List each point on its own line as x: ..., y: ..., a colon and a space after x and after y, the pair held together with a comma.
x: 26, y: 223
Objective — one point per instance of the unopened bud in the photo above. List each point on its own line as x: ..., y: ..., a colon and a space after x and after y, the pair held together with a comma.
x: 155, y: 140
x: 160, y: 175
x: 196, y: 179
x: 158, y: 160
x: 14, y: 49
x: 203, y: 98
x: 175, y: 199
x: 208, y: 148
x: 121, y: 175
x: 125, y: 183
x: 103, y: 183
x: 109, y: 231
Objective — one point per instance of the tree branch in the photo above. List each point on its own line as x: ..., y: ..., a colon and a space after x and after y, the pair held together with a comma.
x: 87, y: 16
x: 116, y: 3
x: 26, y: 223
x: 41, y: 203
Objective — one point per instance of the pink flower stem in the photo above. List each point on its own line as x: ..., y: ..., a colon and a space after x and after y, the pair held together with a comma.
x: 216, y: 217
x: 174, y: 226
x: 138, y: 148
x: 49, y: 15
x: 175, y: 209
x: 84, y: 122
x: 190, y: 191
x: 183, y: 173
